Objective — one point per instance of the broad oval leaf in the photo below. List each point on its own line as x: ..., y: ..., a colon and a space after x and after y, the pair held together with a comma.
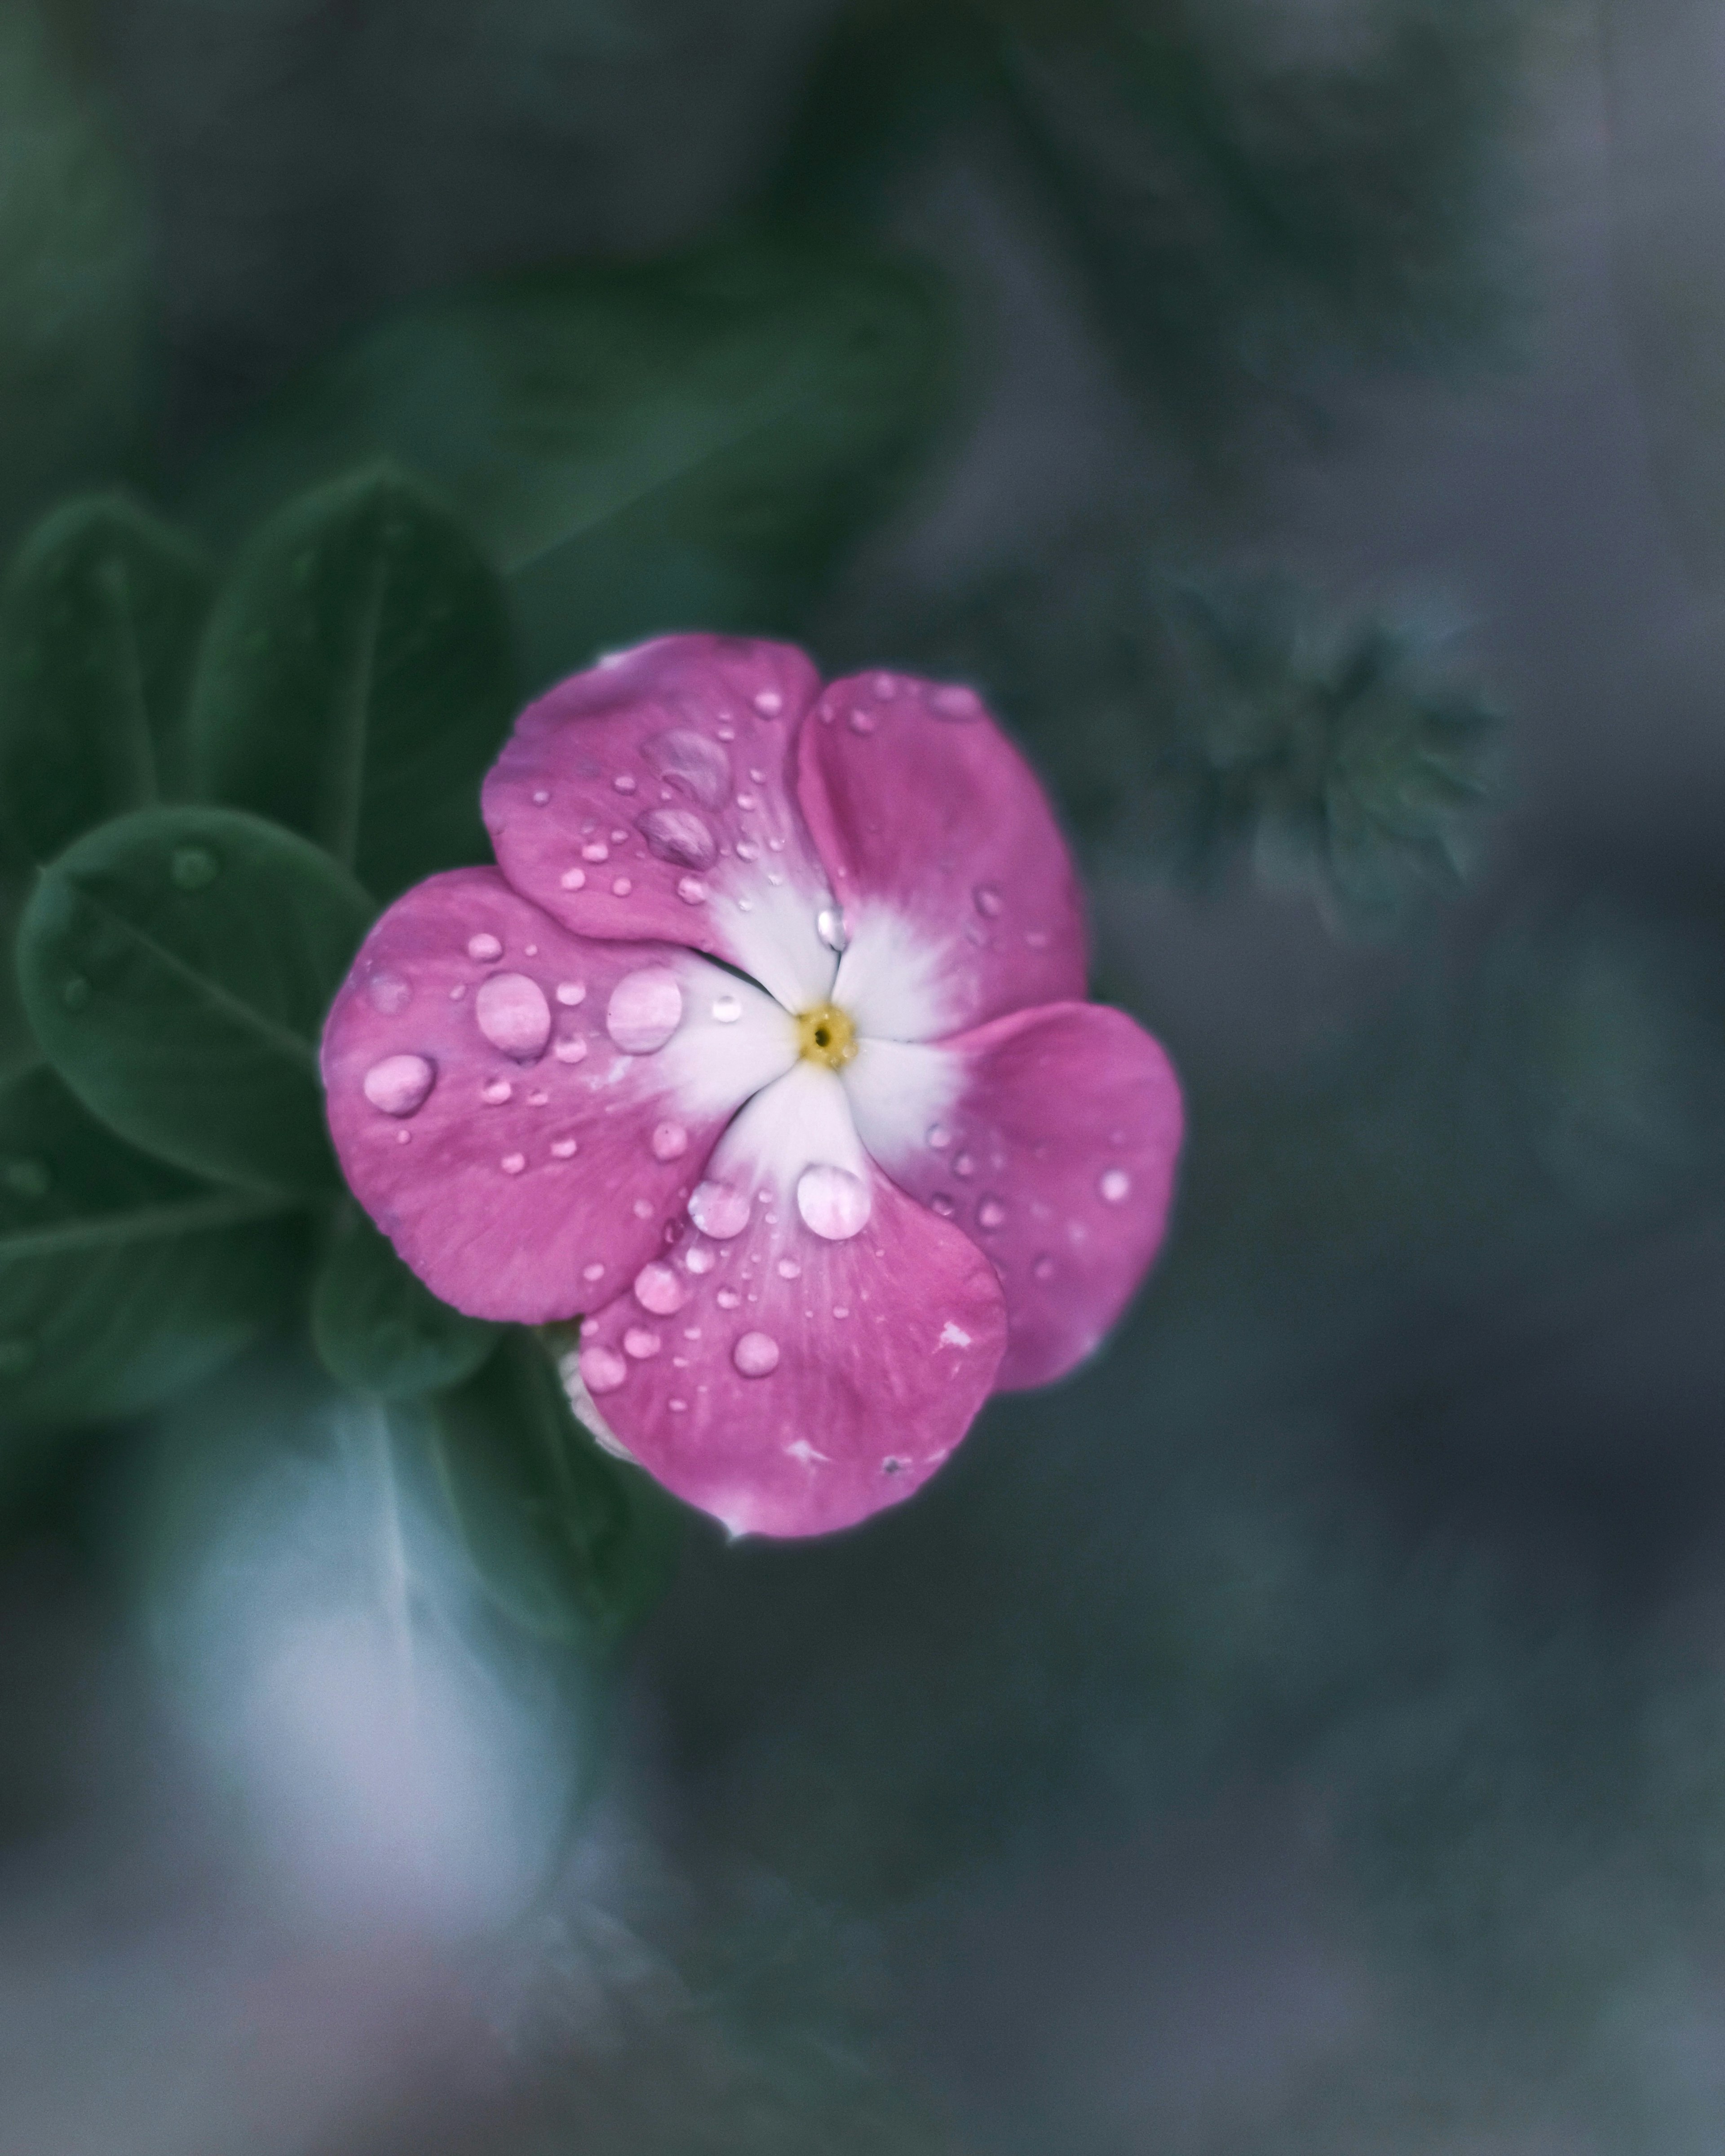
x: 176, y: 967
x: 640, y: 446
x: 571, y: 1543
x: 357, y: 680
x: 121, y: 1280
x: 378, y: 1329
x: 99, y: 626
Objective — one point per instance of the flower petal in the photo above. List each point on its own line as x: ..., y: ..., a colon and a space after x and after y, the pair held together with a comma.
x: 1050, y: 1137
x: 818, y: 1355
x: 522, y: 1111
x: 959, y: 897
x: 650, y: 798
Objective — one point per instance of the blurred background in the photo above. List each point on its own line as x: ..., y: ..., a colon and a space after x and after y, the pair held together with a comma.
x: 1304, y: 1729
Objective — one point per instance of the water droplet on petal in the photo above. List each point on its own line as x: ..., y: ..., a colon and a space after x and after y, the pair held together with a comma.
x: 718, y: 1209
x: 658, y: 1289
x: 572, y: 879
x: 834, y: 1203
x: 595, y: 1272
x: 670, y: 1142
x: 562, y: 1149
x: 1114, y: 1185
x: 645, y: 1009
x: 991, y: 1214
x: 727, y: 1010
x: 1038, y: 939
x: 829, y: 926
x: 700, y: 1259
x: 690, y: 890
x: 939, y: 1136
x: 398, y: 1086
x: 768, y: 702
x: 622, y: 887
x: 495, y: 1091
x: 512, y: 1163
x: 389, y: 994
x: 680, y: 835
x: 513, y: 1015
x: 193, y: 868
x: 747, y: 850
x: 756, y: 1355
x: 1043, y: 1268
x: 989, y: 900
x: 573, y: 1050
x: 728, y: 1298
x: 863, y: 721
x: 484, y: 948
x: 571, y: 992
x: 596, y: 850
x: 788, y: 1269
x: 458, y: 992
x: 539, y: 1100
x: 964, y: 1165
x: 625, y: 782
x: 955, y: 702
x: 943, y: 1204
x: 685, y: 759
x: 603, y: 1369
x: 641, y: 1343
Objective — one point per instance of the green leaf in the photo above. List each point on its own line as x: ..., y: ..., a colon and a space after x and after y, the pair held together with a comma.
x: 121, y: 1280
x: 99, y: 626
x: 177, y: 965
x: 573, y: 1543
x: 357, y: 680
x: 379, y: 1329
x: 641, y: 447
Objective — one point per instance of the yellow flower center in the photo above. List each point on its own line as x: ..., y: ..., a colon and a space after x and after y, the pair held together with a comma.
x: 826, y: 1035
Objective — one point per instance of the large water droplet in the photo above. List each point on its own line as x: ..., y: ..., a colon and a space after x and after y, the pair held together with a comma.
x: 484, y: 948
x: 829, y: 926
x: 691, y: 889
x: 991, y: 1214
x: 513, y: 1015
x: 756, y: 1355
x: 727, y: 1010
x: 670, y: 1142
x: 718, y: 1209
x: 1114, y: 1185
x: 658, y: 1289
x: 603, y: 1369
x: 388, y: 992
x: 400, y: 1085
x: 689, y: 760
x: 680, y: 835
x: 833, y: 1203
x: 989, y: 900
x: 193, y: 868
x: 645, y: 1009
x: 640, y: 1342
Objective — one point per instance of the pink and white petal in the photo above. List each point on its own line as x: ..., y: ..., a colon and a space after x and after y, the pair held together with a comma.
x: 1050, y: 1137
x: 652, y: 797
x: 791, y: 1379
x: 959, y: 897
x: 523, y: 1111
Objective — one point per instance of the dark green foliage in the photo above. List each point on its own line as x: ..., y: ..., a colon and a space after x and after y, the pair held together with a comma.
x: 99, y: 626
x: 680, y: 445
x: 573, y: 1543
x: 357, y: 680
x: 378, y: 1329
x: 121, y: 1280
x: 177, y: 965
x: 1184, y: 724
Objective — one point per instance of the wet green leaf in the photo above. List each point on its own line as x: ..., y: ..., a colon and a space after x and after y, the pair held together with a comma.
x: 379, y: 1329
x: 641, y: 447
x: 120, y: 1279
x: 99, y: 626
x: 357, y: 681
x: 573, y: 1543
x: 177, y: 965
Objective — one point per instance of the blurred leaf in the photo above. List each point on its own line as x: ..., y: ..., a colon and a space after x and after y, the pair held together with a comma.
x: 74, y: 281
x: 177, y: 965
x: 379, y: 1329
x: 641, y: 447
x: 99, y: 624
x: 121, y: 1280
x: 571, y: 1543
x: 357, y: 681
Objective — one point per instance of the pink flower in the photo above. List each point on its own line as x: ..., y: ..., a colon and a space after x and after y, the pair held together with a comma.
x: 819, y: 1191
